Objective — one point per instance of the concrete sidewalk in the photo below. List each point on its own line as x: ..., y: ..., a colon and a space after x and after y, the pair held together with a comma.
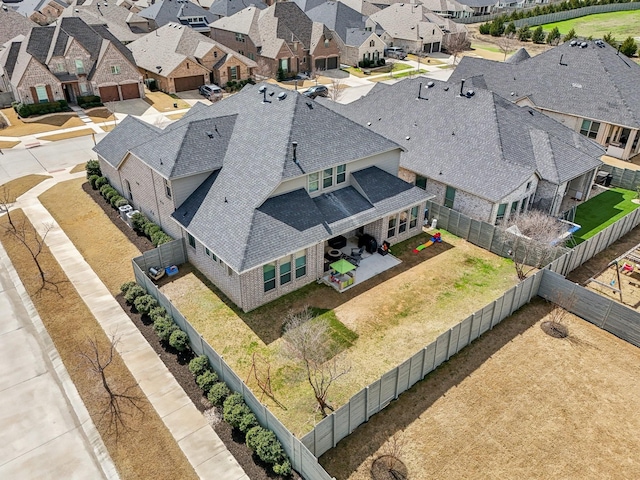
x: 45, y: 429
x: 203, y: 448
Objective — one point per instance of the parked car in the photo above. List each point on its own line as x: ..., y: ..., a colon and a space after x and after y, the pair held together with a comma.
x: 211, y: 90
x: 317, y: 91
x: 395, y: 52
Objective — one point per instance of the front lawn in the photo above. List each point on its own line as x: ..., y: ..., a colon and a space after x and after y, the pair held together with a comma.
x: 18, y: 128
x: 601, y: 211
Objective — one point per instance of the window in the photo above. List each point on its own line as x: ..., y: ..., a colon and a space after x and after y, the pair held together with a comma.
x: 449, y: 197
x: 502, y: 208
x: 241, y: 52
x: 528, y: 186
x: 192, y: 241
x: 215, y: 54
x: 372, y: 43
x: 301, y: 264
x: 284, y: 64
x: 402, y: 226
x: 414, y: 217
x: 514, y: 207
x: 326, y: 43
x: 233, y: 73
x: 239, y: 37
x: 251, y: 56
x: 115, y: 69
x: 79, y: 67
x: 421, y: 182
x: 41, y: 92
x: 83, y: 88
x: 60, y: 67
x: 269, y: 276
x: 327, y: 178
x: 209, y: 253
x: 341, y: 174
x: 285, y: 273
x: 229, y: 270
x: 167, y: 188
x: 523, y: 205
x: 314, y: 182
x: 127, y: 187
x: 391, y: 231
x: 590, y: 128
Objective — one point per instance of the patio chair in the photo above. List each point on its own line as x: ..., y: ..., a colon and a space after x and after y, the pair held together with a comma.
x: 356, y: 255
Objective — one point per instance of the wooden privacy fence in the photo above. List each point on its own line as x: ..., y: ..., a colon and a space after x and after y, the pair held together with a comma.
x: 603, y: 312
x: 376, y: 396
x: 552, y: 17
x: 302, y: 460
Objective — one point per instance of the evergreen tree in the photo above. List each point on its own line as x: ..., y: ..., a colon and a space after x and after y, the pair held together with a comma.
x: 511, y: 29
x: 629, y: 47
x: 571, y: 34
x: 538, y: 35
x: 553, y: 38
x: 610, y: 39
x: 524, y: 33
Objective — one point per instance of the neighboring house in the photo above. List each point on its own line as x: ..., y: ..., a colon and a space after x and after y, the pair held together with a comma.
x: 477, y: 152
x: 481, y: 7
x: 257, y: 187
x: 454, y: 34
x: 226, y: 8
x: 592, y: 90
x: 409, y: 25
x: 178, y: 11
x: 125, y: 25
x: 180, y: 59
x: 448, y: 8
x: 13, y: 24
x: 68, y: 60
x: 43, y: 12
x: 355, y: 33
x: 281, y: 36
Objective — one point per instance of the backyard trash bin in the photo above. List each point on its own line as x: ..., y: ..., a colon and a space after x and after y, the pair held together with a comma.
x: 171, y: 270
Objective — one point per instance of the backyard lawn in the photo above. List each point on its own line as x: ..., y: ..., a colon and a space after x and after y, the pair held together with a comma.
x: 621, y: 25
x: 601, y: 211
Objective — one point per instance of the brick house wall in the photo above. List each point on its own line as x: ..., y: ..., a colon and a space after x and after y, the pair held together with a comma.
x: 103, y: 75
x: 409, y: 231
x: 222, y: 75
x: 164, y: 84
x: 37, y: 75
x: 322, y: 52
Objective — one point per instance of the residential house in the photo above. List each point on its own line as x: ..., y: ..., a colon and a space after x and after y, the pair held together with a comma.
x: 256, y: 187
x: 481, y: 7
x: 178, y: 11
x: 42, y: 12
x: 448, y: 8
x: 357, y: 36
x: 587, y: 86
x: 477, y: 152
x: 70, y: 59
x: 279, y: 37
x: 409, y: 26
x: 226, y: 8
x: 179, y: 59
x: 123, y: 24
x: 13, y: 24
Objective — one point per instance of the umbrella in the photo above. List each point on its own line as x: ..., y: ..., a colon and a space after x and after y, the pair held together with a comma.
x: 342, y: 266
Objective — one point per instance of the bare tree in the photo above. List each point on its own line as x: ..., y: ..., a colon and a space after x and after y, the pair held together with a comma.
x: 389, y: 464
x: 27, y: 235
x: 457, y: 43
x: 308, y: 339
x: 556, y: 325
x: 506, y: 44
x: 337, y: 89
x: 119, y: 406
x: 264, y: 70
x: 7, y: 200
x: 534, y: 239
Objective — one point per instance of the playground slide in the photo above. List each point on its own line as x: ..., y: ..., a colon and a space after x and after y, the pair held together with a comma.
x: 423, y: 246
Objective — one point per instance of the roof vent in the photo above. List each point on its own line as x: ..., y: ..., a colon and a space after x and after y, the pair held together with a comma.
x: 430, y: 84
x: 368, y: 124
x: 462, y: 86
x: 262, y: 88
x: 583, y: 45
x: 295, y: 148
x: 573, y: 43
x: 282, y: 96
x: 310, y: 105
x: 470, y: 93
x: 446, y: 89
x: 512, y: 93
x: 407, y: 137
x: 210, y: 134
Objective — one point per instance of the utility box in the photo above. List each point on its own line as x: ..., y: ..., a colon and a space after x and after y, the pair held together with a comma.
x: 124, y: 210
x: 130, y: 215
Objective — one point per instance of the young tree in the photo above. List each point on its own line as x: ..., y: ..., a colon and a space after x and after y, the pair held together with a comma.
x: 533, y: 238
x: 118, y: 405
x: 510, y: 29
x: 571, y: 34
x: 337, y: 89
x: 524, y: 33
x: 553, y: 38
x: 308, y: 340
x: 610, y: 39
x: 538, y: 35
x: 629, y: 47
x: 457, y: 44
x: 7, y: 200
x: 506, y: 44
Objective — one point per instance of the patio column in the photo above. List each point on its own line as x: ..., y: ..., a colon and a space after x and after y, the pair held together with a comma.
x: 627, y: 148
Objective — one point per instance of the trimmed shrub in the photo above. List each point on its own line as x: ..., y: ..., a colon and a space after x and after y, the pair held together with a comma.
x: 157, y: 312
x: 150, y: 228
x: 164, y: 327
x: 179, y: 340
x: 124, y: 288
x: 121, y: 202
x: 234, y: 399
x: 218, y: 393
x: 199, y: 365
x: 133, y: 293
x: 100, y: 182
x: 266, y: 445
x: 247, y: 422
x: 110, y: 193
x: 93, y: 168
x: 206, y: 380
x: 92, y: 181
x: 234, y: 414
x: 144, y: 304
x: 103, y: 188
x: 138, y: 221
x: 115, y: 199
x: 161, y: 238
x: 283, y: 468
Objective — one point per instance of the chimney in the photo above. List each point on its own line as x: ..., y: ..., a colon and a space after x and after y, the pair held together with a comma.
x: 462, y: 86
x: 295, y: 147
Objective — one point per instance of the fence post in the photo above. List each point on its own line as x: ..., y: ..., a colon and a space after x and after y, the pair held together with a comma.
x: 395, y: 396
x: 366, y: 403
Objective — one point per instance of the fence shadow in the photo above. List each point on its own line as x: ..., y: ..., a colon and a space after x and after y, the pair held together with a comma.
x: 367, y: 439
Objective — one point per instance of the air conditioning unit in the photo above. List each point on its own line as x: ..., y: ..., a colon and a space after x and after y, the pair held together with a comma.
x: 130, y: 215
x: 124, y: 210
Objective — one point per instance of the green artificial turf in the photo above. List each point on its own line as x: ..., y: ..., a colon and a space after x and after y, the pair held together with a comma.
x: 621, y: 25
x: 599, y: 212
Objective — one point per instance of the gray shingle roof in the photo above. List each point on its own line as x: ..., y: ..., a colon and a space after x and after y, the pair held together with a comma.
x: 592, y: 82
x: 130, y: 133
x: 13, y: 24
x: 484, y: 145
x: 519, y: 56
x: 165, y: 11
x: 339, y: 17
x: 39, y: 42
x: 226, y: 8
x: 479, y: 3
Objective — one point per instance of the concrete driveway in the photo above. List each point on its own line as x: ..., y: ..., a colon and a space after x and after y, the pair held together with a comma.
x: 45, y: 430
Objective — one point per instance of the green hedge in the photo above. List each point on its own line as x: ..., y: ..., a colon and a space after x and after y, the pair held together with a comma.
x: 89, y: 101
x: 33, y: 109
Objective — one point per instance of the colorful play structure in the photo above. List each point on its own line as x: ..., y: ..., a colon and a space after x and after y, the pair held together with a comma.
x: 627, y: 264
x: 437, y: 238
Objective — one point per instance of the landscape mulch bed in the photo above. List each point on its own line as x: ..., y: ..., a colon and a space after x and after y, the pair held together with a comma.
x: 178, y: 362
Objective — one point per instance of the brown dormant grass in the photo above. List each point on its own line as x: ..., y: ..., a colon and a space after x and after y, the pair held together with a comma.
x: 102, y: 245
x: 18, y: 128
x: 146, y: 449
x: 81, y: 167
x: 6, y: 145
x: 515, y: 404
x: 63, y: 136
x: 21, y: 185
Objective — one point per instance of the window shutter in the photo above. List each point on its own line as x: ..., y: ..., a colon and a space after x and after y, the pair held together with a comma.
x: 49, y: 93
x: 34, y: 95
